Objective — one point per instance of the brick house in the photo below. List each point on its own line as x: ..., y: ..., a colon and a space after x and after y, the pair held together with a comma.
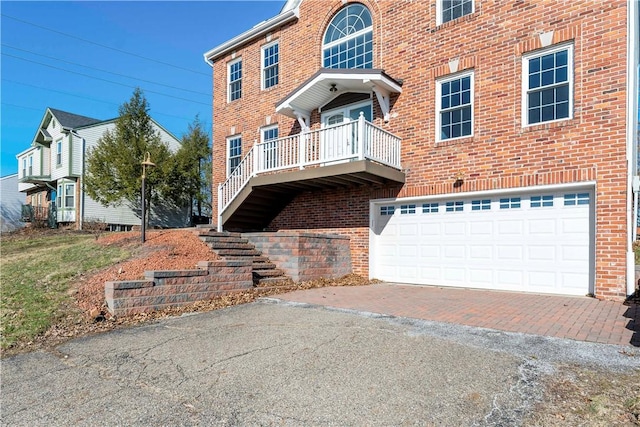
x: 51, y: 172
x: 459, y: 143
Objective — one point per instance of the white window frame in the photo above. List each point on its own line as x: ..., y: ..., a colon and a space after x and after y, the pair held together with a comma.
x: 59, y: 152
x: 344, y: 40
x: 228, y: 154
x: 525, y: 81
x: 439, y: 83
x: 263, y: 69
x: 69, y: 187
x: 440, y: 12
x: 30, y: 165
x: 270, y: 159
x: 229, y: 81
x: 24, y: 167
x: 59, y: 196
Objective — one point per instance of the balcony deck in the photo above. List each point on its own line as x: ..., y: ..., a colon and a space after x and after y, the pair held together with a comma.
x: 271, y: 174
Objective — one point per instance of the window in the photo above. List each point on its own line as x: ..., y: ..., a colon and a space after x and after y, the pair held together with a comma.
x: 454, y: 105
x: 387, y: 210
x: 30, y: 165
x: 541, y: 201
x: 407, y: 209
x: 270, y: 68
x: 455, y: 206
x: 270, y: 148
x: 429, y: 207
x: 59, y: 197
x: 348, y: 41
x: 481, y: 205
x: 235, y: 80
x: 576, y: 199
x: 548, y: 85
x: 24, y: 167
x: 59, y: 153
x: 234, y: 151
x: 69, y: 190
x: 453, y: 9
x: 510, y: 203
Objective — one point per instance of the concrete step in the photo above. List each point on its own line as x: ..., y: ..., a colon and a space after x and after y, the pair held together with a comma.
x: 229, y: 245
x: 223, y: 239
x: 212, y: 233
x: 235, y: 253
x: 274, y: 272
x: 274, y: 281
x: 260, y: 265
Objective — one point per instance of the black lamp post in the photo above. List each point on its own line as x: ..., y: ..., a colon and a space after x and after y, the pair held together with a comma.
x: 146, y: 162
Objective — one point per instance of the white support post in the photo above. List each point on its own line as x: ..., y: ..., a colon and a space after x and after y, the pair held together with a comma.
x: 361, y: 144
x: 219, y: 225
x: 256, y: 159
x: 302, y: 148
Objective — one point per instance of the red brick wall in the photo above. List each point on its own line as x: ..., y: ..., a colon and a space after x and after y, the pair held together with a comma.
x: 501, y: 154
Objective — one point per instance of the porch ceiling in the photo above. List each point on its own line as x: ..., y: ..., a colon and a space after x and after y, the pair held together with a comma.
x: 266, y: 195
x: 316, y: 91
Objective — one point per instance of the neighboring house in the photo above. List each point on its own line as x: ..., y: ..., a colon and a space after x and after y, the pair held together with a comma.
x: 11, y: 201
x: 51, y: 174
x: 465, y: 143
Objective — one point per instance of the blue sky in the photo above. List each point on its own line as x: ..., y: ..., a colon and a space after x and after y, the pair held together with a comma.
x: 71, y: 56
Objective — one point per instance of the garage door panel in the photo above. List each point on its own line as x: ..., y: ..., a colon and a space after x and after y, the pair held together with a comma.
x: 455, y: 228
x: 480, y: 252
x: 546, y: 253
x: 481, y: 276
x: 454, y: 252
x: 481, y: 228
x: 542, y: 281
x: 511, y: 244
x: 510, y: 228
x: 430, y: 229
x: 454, y: 275
x: 509, y: 253
x: 577, y: 253
x: 542, y: 227
x: 509, y: 278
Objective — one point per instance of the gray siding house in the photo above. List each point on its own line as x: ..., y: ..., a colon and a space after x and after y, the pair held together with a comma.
x: 51, y: 173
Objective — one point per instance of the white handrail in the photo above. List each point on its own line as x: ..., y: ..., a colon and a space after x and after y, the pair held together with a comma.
x: 355, y: 140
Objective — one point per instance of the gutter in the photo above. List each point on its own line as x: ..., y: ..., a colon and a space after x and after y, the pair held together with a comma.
x: 257, y: 31
x: 633, y: 186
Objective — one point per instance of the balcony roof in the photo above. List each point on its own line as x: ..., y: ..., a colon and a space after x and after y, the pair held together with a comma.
x: 317, y: 90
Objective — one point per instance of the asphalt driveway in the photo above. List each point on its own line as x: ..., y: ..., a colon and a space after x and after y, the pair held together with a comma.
x: 277, y: 363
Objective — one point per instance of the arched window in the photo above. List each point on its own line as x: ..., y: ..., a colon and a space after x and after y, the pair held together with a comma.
x: 348, y: 41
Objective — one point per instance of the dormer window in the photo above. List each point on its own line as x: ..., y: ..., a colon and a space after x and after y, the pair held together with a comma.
x: 53, y: 123
x: 348, y: 41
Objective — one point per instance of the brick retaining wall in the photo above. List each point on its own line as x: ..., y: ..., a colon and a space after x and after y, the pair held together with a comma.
x: 305, y: 256
x: 173, y: 288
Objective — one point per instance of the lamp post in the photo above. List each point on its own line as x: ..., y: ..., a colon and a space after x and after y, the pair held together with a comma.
x: 146, y: 162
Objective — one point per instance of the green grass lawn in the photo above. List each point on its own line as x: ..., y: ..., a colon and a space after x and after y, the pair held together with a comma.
x: 36, y: 274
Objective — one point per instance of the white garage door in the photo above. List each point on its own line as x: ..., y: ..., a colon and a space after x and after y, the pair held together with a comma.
x: 533, y: 242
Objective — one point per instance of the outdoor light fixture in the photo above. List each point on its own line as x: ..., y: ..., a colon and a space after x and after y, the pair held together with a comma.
x: 333, y: 88
x: 146, y: 162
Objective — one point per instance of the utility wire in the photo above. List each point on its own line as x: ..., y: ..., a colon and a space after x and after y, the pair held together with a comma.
x: 104, y: 46
x: 104, y: 71
x: 79, y: 96
x: 104, y: 80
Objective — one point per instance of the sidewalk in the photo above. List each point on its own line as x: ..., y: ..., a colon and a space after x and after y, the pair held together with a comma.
x: 576, y: 318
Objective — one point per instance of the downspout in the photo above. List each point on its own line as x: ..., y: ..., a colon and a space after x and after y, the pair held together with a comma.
x: 633, y: 60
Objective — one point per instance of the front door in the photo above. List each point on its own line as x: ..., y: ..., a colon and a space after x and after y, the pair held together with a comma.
x: 339, y: 138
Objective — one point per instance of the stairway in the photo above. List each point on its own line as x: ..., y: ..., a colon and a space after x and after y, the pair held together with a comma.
x: 233, y: 246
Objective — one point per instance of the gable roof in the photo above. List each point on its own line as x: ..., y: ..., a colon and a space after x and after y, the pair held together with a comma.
x: 290, y: 11
x: 70, y: 120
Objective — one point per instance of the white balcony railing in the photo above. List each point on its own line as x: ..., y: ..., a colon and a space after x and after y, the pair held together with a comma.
x: 356, y: 140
